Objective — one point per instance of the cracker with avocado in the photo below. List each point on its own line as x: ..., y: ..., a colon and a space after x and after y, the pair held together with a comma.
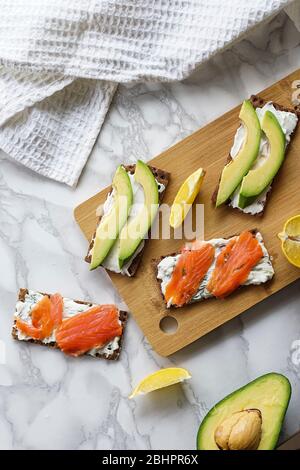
x: 246, y: 180
x: 162, y: 179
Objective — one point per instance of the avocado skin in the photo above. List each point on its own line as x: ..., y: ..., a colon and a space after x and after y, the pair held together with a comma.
x: 235, y: 394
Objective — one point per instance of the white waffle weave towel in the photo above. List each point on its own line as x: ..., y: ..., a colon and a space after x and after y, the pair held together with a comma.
x: 61, y: 60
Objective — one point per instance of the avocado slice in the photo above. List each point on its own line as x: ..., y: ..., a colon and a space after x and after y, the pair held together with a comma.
x: 111, y: 224
x: 246, y: 201
x: 238, y: 167
x: 270, y: 394
x: 256, y: 181
x: 136, y: 229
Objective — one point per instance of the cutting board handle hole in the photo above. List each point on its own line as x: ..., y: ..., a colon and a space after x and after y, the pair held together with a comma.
x: 168, y: 325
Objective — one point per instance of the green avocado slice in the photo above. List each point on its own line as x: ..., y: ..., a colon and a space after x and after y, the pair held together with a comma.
x: 257, y: 180
x: 237, y: 168
x: 136, y: 229
x: 110, y: 225
x: 269, y: 393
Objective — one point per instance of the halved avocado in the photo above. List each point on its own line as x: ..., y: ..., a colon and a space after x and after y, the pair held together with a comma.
x: 256, y: 181
x: 237, y: 168
x: 136, y: 229
x: 270, y: 394
x: 111, y: 224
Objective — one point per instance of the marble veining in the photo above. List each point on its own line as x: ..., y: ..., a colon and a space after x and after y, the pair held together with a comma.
x: 50, y: 401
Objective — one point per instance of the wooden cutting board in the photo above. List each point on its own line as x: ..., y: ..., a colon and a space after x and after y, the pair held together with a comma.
x: 208, y: 148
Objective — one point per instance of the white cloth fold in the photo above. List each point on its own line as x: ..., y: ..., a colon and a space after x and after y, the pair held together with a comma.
x: 293, y: 11
x: 61, y: 61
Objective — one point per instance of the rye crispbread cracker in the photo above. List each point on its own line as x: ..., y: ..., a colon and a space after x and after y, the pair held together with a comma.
x: 114, y: 356
x: 259, y: 102
x: 161, y: 177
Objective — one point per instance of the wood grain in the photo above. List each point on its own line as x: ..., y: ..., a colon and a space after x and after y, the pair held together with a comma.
x: 208, y: 148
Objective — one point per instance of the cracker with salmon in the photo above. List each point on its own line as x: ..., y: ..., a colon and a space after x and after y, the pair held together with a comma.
x: 213, y: 268
x: 75, y: 327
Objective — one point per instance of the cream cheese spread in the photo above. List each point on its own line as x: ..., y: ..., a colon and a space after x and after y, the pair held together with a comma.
x: 111, y: 262
x: 260, y: 274
x: 288, y: 122
x: 70, y: 308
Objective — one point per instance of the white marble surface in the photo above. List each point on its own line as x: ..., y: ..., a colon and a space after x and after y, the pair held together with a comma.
x: 50, y: 401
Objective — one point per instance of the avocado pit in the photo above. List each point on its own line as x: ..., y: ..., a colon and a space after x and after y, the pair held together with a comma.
x: 240, y: 431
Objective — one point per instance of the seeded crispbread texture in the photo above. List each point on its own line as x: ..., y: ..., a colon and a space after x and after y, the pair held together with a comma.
x: 259, y: 102
x: 113, y: 357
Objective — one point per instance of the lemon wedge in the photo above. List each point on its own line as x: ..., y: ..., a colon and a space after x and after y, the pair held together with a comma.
x: 185, y: 197
x: 160, y: 379
x: 290, y: 240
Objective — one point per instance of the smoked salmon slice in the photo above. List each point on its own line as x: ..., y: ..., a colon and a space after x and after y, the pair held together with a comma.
x: 46, y: 315
x: 57, y: 307
x: 41, y: 317
x: 190, y: 269
x: 234, y: 264
x: 28, y: 329
x: 194, y: 245
x: 93, y: 328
